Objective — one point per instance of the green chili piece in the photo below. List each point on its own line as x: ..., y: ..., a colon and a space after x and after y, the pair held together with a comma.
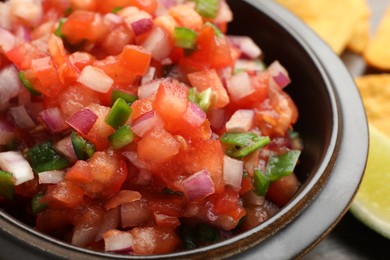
x: 184, y: 38
x: 205, y: 99
x: 27, y: 84
x: 207, y: 8
x: 261, y: 182
x: 282, y: 165
x: 115, y: 10
x: 36, y: 205
x: 129, y: 98
x: 7, y: 187
x: 119, y: 113
x: 122, y: 137
x: 82, y: 148
x: 43, y: 157
x: 58, y: 30
x: 193, y: 95
x: 242, y: 144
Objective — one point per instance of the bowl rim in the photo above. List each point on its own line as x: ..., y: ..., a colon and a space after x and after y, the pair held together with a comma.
x: 340, y: 146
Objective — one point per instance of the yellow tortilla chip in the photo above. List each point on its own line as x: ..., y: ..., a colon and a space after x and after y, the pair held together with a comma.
x: 377, y: 53
x: 375, y: 92
x: 361, y: 33
x: 333, y: 20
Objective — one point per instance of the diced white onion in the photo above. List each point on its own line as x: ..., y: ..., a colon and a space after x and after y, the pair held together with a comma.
x: 232, y: 172
x: 239, y: 86
x: 198, y: 186
x: 158, y: 44
x: 7, y: 40
x: 10, y: 85
x: 5, y: 20
x: 51, y: 177
x: 15, y: 163
x: 241, y: 121
x: 279, y: 75
x: 117, y: 241
x: 148, y: 76
x: 247, y: 46
x: 95, y: 78
x: 27, y: 10
x: 147, y: 89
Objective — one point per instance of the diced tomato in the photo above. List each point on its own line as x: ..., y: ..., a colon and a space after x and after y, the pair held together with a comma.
x: 53, y: 221
x: 212, y: 52
x: 83, y: 26
x: 246, y: 185
x: 206, y: 154
x: 167, y: 240
x: 87, y: 220
x: 186, y: 16
x: 274, y: 116
x: 119, y: 74
x: 65, y: 194
x: 122, y: 197
x: 228, y: 203
x: 100, y: 131
x: 164, y: 220
x: 171, y: 101
x: 73, y: 99
x: 66, y: 71
x: 80, y: 172
x: 170, y: 205
x: 108, y: 173
x: 283, y: 190
x: 44, y: 77
x: 140, y: 107
x: 27, y: 189
x: 116, y: 40
x: 89, y: 5
x: 157, y: 146
x: 135, y: 59
x: 205, y: 79
x: 23, y: 54
x: 146, y: 5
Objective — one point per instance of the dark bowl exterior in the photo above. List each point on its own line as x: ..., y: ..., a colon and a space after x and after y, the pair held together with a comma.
x: 331, y: 122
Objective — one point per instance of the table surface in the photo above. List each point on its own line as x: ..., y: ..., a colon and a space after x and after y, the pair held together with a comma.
x: 351, y: 239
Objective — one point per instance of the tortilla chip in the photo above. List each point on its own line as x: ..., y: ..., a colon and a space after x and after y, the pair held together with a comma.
x: 333, y: 20
x: 375, y: 92
x: 377, y: 53
x: 361, y: 34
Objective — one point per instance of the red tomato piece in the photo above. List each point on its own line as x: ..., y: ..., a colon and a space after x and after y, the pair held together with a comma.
x: 171, y: 101
x: 283, y: 190
x: 81, y: 59
x: 65, y: 194
x: 228, y: 203
x: 186, y: 16
x: 108, y: 174
x: 167, y: 240
x: 123, y: 196
x: 80, y: 173
x: 100, y: 131
x: 205, y: 79
x: 23, y: 54
x: 140, y: 107
x: 84, y: 26
x: 157, y: 146
x: 135, y: 59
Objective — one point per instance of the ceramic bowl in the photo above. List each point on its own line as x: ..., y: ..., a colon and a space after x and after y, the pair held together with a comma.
x: 331, y: 122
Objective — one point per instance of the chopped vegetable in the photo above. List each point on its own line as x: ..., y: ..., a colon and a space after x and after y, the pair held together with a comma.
x: 282, y: 165
x: 242, y: 144
x: 207, y: 8
x: 122, y: 137
x: 7, y: 186
x: 82, y: 148
x: 119, y: 113
x: 43, y: 158
x: 184, y: 37
x: 36, y: 204
x: 261, y: 182
x: 129, y: 98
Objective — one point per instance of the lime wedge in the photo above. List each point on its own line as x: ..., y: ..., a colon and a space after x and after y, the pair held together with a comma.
x: 372, y: 202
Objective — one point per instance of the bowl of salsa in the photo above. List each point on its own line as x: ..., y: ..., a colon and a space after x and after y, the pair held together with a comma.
x: 171, y: 129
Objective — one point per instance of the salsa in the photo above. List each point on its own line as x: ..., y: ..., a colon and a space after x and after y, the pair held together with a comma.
x: 140, y: 126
